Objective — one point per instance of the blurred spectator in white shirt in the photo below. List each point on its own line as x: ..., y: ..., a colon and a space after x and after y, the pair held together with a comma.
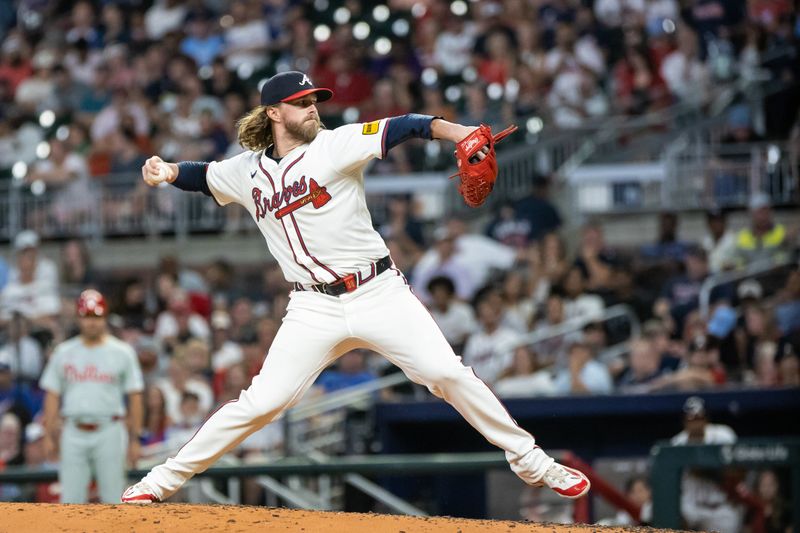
x: 32, y: 289
x: 719, y: 243
x: 519, y: 307
x: 247, y: 38
x: 489, y: 350
x: 452, y: 51
x: 577, y: 303
x: 65, y: 174
x: 22, y: 353
x: 443, y: 260
x: 163, y: 17
x: 552, y: 349
x: 479, y: 253
x: 179, y: 381
x: 523, y: 378
x: 686, y: 75
x: 456, y: 319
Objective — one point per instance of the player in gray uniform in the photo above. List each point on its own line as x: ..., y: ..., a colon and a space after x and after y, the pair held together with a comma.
x: 88, y: 376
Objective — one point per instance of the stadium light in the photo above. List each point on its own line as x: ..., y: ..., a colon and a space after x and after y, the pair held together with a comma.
x: 380, y: 13
x: 534, y: 125
x: 383, y: 46
x: 322, y: 33
x: 47, y: 118
x: 38, y: 188
x: 62, y: 133
x: 470, y: 75
x: 226, y: 21
x: 512, y: 90
x: 433, y: 149
x: 459, y: 8
x: 43, y: 150
x: 400, y: 27
x: 19, y: 170
x: 494, y: 91
x: 361, y: 30
x: 350, y: 115
x: 452, y: 93
x: 341, y: 15
x: 418, y: 10
x: 429, y: 76
x: 773, y: 154
x: 244, y: 71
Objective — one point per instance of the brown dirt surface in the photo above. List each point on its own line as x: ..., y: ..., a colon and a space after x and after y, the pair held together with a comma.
x: 23, y: 517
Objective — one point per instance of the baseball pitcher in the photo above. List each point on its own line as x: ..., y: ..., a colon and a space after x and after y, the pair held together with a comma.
x: 304, y: 187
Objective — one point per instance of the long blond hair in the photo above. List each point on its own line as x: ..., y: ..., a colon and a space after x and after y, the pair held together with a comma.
x: 254, y: 130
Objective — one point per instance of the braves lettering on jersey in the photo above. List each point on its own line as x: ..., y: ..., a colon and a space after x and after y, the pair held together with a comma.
x: 310, y: 206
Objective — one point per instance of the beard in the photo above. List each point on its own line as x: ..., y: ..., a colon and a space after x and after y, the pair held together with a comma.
x: 305, y: 130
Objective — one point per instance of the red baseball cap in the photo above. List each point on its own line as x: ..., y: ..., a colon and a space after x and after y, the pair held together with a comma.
x: 91, y: 303
x: 287, y: 86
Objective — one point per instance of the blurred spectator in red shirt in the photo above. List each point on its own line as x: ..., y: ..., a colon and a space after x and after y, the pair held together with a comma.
x: 15, y: 64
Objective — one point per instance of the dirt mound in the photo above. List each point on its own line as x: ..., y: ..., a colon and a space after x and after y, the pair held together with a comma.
x: 19, y: 517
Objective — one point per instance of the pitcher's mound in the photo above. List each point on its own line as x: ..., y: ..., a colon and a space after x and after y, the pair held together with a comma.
x: 19, y: 517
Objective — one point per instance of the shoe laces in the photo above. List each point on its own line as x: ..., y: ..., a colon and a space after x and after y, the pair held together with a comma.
x: 558, y: 474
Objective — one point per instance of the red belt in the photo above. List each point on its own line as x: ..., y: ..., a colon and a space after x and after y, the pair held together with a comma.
x: 350, y: 282
x: 95, y: 427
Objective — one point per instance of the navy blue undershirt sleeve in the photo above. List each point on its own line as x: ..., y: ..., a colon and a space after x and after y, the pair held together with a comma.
x: 192, y: 177
x: 405, y: 127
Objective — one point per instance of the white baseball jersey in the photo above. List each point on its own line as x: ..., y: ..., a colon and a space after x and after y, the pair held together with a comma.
x: 310, y: 206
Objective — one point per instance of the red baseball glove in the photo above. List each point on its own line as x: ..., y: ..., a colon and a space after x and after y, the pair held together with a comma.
x: 478, y: 175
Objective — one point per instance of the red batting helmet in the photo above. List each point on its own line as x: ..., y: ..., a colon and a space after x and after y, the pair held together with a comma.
x: 91, y: 303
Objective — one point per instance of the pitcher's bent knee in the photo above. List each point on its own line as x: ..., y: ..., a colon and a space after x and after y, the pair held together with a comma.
x: 447, y: 375
x: 265, y: 403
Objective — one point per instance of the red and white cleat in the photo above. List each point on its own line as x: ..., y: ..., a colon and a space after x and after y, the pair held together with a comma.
x: 567, y: 482
x: 139, y: 493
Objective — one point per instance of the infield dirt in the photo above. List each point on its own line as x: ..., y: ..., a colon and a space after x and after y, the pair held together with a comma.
x: 23, y: 517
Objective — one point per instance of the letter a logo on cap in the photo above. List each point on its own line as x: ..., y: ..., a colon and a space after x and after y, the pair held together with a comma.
x: 306, y: 80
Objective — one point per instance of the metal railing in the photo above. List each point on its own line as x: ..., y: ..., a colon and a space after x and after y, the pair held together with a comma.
x: 724, y: 278
x: 575, y: 325
x: 728, y: 175
x: 121, y: 205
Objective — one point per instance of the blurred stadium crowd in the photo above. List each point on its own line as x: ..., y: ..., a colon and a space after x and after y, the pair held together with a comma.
x: 105, y: 83
x: 201, y: 333
x: 90, y: 89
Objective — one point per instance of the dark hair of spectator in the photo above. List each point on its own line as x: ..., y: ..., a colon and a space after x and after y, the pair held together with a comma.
x: 442, y: 282
x: 483, y: 293
x: 189, y: 396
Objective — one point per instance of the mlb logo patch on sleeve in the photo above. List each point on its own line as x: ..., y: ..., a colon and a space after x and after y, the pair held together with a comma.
x: 370, y: 128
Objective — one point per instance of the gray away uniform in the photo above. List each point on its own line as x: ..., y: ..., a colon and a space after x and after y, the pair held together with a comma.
x: 92, y: 382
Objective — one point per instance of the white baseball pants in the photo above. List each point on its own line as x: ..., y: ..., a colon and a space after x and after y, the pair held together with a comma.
x: 382, y: 315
